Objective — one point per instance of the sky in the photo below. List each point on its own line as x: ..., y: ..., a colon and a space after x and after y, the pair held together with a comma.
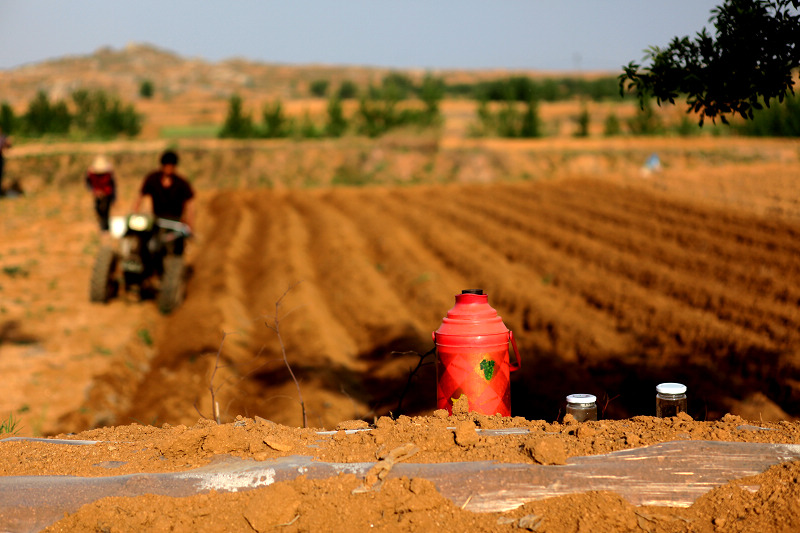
x: 565, y: 35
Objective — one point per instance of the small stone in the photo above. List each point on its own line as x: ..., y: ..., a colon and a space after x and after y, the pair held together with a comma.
x: 465, y: 434
x: 530, y: 522
x: 352, y: 424
x: 441, y: 413
x: 546, y: 450
x: 460, y: 405
x: 279, y: 446
x: 384, y: 422
x: 268, y: 509
x: 263, y: 421
x: 732, y: 419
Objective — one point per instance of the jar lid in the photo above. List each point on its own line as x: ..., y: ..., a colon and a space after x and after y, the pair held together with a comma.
x: 581, y: 398
x: 671, y: 388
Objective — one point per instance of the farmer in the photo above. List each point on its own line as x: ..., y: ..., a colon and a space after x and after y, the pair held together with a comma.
x: 100, y: 180
x: 171, y: 196
x: 4, y: 143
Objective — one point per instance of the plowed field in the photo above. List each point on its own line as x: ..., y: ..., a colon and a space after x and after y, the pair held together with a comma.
x: 608, y: 289
x: 610, y: 283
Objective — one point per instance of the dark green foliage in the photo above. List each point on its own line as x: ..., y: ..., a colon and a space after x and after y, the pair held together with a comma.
x: 8, y: 121
x: 398, y: 86
x: 583, y: 123
x: 747, y: 64
x: 687, y: 127
x: 43, y: 117
x: 530, y: 120
x: 523, y: 88
x: 379, y: 112
x: 337, y: 123
x: 84, y: 107
x: 431, y: 93
x: 98, y: 115
x: 116, y: 119
x: 319, y: 88
x: 517, y: 88
x: 309, y: 130
x: 509, y: 121
x: 646, y: 121
x: 348, y: 90
x: 146, y: 89
x: 779, y: 120
x: 612, y: 126
x: 485, y: 125
x: 376, y: 116
x: 276, y: 125
x: 237, y: 124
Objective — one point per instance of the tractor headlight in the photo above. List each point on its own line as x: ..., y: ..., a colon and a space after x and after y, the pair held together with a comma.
x: 117, y: 227
x: 138, y: 222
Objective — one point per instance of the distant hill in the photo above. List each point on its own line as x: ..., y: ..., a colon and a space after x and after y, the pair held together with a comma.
x: 123, y: 71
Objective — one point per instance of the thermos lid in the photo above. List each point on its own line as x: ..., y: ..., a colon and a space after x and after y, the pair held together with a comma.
x: 582, y: 398
x: 671, y: 388
x: 472, y: 316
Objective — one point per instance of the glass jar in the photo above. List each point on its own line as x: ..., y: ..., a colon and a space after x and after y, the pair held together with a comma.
x: 670, y: 399
x: 582, y: 407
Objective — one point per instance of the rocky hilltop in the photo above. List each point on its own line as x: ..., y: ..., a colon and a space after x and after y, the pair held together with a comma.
x: 123, y: 70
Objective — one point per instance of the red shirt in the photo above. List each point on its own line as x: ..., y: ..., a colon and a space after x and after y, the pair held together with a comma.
x: 102, y: 183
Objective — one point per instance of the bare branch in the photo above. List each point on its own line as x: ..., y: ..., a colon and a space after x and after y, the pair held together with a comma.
x: 276, y: 327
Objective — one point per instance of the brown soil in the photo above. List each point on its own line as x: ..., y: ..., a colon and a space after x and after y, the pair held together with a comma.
x: 612, y: 281
x: 400, y: 503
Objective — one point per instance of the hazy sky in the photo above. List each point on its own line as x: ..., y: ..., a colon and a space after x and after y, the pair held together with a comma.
x: 529, y: 34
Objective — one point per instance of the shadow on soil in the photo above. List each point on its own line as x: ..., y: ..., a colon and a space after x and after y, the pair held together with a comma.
x: 624, y: 385
x: 11, y: 332
x: 393, y: 382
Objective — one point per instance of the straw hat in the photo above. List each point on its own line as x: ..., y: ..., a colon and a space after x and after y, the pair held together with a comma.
x: 101, y: 165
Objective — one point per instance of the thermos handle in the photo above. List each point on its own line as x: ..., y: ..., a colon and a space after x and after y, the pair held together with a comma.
x: 516, y: 352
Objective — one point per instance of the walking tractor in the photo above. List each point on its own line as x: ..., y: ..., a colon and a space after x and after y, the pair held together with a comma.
x: 145, y: 259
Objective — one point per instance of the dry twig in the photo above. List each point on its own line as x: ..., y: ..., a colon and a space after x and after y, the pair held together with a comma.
x: 412, y: 373
x: 276, y: 327
x: 214, y: 391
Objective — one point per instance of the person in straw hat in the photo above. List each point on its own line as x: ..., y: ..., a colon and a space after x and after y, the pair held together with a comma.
x: 100, y: 180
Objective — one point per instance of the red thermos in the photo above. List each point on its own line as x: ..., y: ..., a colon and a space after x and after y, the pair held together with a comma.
x: 472, y: 356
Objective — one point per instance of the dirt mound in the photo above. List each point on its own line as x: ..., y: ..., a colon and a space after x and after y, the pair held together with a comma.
x: 434, y: 472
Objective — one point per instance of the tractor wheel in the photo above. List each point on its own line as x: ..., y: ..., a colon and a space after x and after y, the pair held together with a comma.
x: 104, y: 285
x: 173, y: 284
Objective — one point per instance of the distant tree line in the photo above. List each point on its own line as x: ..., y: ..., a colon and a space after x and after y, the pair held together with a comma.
x: 92, y: 114
x: 381, y: 108
x: 519, y: 88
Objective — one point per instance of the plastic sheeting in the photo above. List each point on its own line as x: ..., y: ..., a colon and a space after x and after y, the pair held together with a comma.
x: 671, y: 474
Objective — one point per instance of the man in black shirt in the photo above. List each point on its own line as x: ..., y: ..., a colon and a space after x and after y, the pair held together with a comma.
x: 171, y: 195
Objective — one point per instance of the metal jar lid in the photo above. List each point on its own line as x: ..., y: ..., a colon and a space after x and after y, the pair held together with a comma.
x: 671, y: 388
x: 581, y: 398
